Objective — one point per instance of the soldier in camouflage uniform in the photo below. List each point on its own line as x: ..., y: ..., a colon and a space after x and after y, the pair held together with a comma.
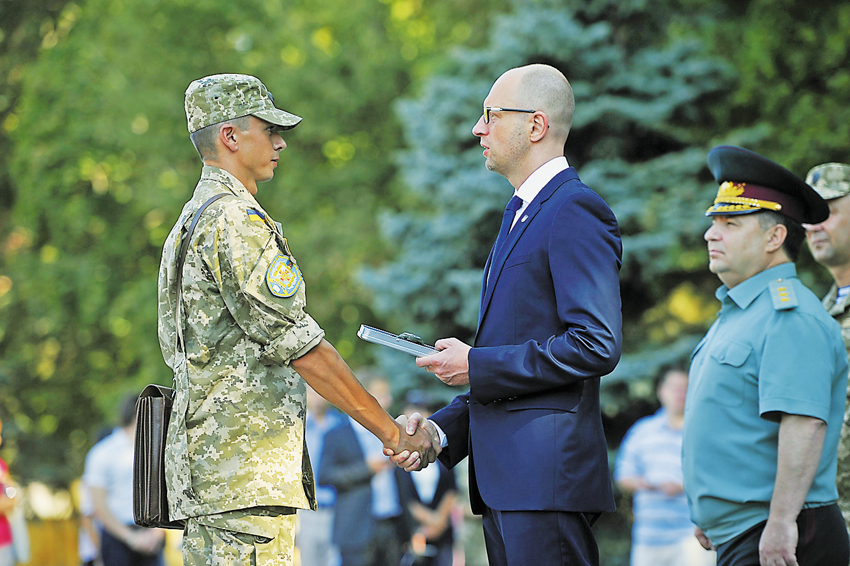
x: 829, y: 243
x: 237, y: 466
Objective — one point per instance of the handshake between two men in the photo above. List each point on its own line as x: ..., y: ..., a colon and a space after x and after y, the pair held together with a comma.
x: 451, y: 365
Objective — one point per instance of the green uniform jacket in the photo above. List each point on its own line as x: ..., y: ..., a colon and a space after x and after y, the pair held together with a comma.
x: 236, y: 437
x: 841, y: 312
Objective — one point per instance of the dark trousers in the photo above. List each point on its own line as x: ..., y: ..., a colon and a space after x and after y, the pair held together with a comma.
x: 383, y: 550
x: 539, y: 538
x: 822, y: 541
x: 113, y: 552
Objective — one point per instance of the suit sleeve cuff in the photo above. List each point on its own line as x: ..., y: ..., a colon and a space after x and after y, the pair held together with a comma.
x: 444, y: 441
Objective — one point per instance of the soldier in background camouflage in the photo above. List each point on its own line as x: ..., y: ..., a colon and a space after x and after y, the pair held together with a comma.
x: 829, y: 243
x: 237, y: 466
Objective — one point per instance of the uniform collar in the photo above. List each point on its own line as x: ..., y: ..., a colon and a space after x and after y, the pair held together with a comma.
x: 745, y: 292
x: 234, y: 185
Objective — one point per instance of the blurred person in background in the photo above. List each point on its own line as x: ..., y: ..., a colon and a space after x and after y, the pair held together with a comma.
x: 88, y: 540
x: 313, y: 538
x: 649, y: 466
x: 8, y: 501
x: 429, y: 496
x: 369, y: 525
x: 829, y: 242
x: 109, y: 478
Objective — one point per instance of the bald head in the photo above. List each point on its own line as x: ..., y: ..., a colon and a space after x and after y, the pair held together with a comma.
x: 544, y: 88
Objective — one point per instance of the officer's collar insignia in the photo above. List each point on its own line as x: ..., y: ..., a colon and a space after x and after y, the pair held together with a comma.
x: 283, y: 277
x: 256, y: 215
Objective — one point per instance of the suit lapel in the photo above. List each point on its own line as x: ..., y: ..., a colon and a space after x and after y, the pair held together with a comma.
x: 496, y: 263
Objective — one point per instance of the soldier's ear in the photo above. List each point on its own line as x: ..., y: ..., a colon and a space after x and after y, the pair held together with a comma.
x: 227, y: 136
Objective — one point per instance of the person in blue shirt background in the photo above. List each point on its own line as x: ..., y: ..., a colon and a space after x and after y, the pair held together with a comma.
x: 649, y: 465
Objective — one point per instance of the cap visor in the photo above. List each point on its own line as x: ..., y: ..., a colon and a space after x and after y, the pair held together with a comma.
x: 827, y: 193
x: 279, y: 117
x: 721, y: 209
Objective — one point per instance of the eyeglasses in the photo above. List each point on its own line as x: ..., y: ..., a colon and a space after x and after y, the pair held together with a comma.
x: 488, y: 109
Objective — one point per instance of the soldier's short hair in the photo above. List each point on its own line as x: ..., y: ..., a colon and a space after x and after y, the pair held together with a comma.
x: 204, y: 139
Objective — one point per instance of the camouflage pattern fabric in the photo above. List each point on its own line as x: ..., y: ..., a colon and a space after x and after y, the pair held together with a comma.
x: 219, y: 98
x: 841, y: 312
x: 251, y: 537
x: 830, y: 180
x: 236, y: 436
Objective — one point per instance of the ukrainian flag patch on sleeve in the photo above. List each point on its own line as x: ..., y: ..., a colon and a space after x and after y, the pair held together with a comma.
x: 256, y: 215
x: 283, y: 277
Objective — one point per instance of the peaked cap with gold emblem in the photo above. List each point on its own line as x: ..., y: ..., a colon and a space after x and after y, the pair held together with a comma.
x: 751, y: 183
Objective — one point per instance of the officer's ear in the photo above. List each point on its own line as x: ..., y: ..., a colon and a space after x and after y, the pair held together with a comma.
x: 776, y: 235
x: 227, y: 136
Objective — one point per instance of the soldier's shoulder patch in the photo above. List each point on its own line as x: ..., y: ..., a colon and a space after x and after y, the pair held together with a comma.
x: 782, y: 294
x: 283, y: 277
x: 255, y: 215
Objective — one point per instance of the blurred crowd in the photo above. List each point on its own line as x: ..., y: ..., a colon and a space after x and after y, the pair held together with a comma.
x: 370, y: 512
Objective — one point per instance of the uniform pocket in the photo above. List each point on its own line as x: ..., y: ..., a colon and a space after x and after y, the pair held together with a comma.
x: 725, y: 380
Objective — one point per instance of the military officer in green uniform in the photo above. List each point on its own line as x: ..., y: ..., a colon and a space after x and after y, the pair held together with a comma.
x: 237, y: 466
x: 767, y: 384
x: 829, y: 243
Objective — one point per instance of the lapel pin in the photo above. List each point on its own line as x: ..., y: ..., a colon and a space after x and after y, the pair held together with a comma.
x: 524, y: 218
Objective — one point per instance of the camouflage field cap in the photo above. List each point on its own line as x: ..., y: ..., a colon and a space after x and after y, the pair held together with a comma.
x: 218, y: 98
x: 830, y: 180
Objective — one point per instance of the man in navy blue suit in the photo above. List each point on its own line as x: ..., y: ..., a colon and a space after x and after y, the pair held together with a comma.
x: 549, y: 328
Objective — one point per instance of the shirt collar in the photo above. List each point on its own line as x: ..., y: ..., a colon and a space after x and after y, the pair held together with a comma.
x: 745, y: 292
x: 540, y: 178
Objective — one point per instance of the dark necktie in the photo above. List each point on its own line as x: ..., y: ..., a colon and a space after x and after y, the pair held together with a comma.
x: 507, y: 220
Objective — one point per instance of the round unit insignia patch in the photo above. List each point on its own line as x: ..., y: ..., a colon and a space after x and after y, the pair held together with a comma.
x: 283, y: 277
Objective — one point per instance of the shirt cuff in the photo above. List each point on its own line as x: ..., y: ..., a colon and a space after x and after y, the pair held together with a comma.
x: 308, y: 346
x: 444, y: 441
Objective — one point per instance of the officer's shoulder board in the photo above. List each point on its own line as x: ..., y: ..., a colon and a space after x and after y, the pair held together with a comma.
x: 782, y: 294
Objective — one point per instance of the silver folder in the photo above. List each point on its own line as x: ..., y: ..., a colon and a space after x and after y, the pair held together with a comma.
x: 404, y: 342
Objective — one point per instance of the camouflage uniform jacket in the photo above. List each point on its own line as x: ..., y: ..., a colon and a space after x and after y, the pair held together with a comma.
x: 840, y: 311
x: 236, y: 436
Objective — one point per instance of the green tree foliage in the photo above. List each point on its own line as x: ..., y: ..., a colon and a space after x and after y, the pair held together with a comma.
x: 101, y: 164
x: 793, y: 74
x: 641, y: 121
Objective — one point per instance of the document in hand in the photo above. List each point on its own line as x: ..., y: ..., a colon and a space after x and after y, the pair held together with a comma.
x: 404, y: 342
